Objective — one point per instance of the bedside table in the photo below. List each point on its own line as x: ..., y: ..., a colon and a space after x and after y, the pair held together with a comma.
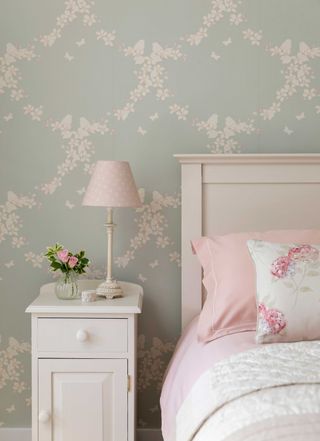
x: 84, y: 365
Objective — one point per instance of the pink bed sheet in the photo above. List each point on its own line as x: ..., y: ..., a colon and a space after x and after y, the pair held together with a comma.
x: 191, y: 358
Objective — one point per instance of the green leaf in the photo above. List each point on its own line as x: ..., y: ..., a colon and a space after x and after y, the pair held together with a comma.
x: 305, y: 289
x: 56, y: 264
x: 313, y: 273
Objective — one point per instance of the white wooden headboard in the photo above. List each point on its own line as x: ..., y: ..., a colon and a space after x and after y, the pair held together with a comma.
x: 232, y: 193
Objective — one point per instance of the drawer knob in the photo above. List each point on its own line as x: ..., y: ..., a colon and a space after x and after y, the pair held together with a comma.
x: 82, y: 335
x: 44, y: 416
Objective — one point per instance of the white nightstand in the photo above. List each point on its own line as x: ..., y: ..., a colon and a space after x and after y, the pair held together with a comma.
x: 84, y: 366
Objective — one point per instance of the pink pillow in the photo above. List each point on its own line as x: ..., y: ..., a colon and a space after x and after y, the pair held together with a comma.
x: 230, y: 280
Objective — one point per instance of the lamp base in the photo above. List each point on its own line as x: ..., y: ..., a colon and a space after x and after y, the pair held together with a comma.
x: 110, y: 289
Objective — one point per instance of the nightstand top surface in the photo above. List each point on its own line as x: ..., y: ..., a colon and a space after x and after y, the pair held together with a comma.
x: 48, y: 303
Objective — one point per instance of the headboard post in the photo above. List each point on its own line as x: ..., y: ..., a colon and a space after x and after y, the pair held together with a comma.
x: 191, y: 191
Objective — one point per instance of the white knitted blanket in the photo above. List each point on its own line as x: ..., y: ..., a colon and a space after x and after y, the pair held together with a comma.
x: 270, y: 393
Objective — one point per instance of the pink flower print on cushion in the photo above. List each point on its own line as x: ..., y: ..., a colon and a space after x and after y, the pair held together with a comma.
x: 305, y: 253
x: 271, y: 321
x: 72, y: 261
x: 63, y: 255
x: 282, y: 267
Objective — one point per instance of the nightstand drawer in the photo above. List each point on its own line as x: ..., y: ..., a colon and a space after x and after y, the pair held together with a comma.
x: 82, y: 335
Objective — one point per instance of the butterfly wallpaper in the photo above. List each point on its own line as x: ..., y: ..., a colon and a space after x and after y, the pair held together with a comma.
x: 83, y: 80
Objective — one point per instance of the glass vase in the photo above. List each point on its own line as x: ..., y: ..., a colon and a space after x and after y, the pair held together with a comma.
x: 66, y: 287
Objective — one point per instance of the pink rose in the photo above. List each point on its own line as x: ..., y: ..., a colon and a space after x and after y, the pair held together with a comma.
x: 282, y: 267
x: 303, y: 253
x: 72, y: 261
x: 63, y: 255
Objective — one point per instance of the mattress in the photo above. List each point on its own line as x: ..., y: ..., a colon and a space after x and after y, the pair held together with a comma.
x: 190, y: 360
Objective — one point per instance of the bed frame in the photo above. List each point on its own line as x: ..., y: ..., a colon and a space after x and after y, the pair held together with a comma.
x: 232, y: 193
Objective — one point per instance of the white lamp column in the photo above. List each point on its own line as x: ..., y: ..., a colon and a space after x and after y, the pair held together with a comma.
x: 110, y: 288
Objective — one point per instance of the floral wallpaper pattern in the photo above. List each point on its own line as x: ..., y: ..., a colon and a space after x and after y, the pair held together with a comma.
x: 83, y: 80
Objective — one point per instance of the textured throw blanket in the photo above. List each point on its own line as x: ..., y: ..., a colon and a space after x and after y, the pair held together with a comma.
x: 271, y: 393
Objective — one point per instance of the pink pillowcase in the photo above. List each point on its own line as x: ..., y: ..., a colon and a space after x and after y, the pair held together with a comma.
x: 230, y: 279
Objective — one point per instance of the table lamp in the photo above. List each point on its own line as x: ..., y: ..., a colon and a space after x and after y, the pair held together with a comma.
x: 111, y: 185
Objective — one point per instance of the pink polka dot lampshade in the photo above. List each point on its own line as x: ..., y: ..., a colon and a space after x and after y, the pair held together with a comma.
x: 112, y: 185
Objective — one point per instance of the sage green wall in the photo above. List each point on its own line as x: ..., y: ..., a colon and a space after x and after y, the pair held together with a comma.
x: 138, y: 80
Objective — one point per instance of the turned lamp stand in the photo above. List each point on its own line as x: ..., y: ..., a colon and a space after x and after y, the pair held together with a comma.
x: 110, y: 289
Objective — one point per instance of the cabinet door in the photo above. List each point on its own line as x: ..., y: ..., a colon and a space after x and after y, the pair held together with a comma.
x: 82, y: 400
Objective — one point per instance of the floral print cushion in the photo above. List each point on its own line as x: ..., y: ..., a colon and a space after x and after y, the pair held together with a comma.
x: 288, y: 291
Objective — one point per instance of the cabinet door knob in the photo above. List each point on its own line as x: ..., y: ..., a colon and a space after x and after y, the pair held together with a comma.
x: 82, y: 335
x: 44, y: 416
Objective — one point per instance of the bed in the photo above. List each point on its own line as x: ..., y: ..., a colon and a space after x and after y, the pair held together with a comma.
x: 231, y: 389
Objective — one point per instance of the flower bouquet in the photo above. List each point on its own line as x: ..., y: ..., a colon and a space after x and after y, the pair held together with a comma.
x: 70, y: 265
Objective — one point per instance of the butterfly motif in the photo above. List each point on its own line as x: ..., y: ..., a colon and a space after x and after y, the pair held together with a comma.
x: 227, y: 42
x: 215, y: 56
x: 138, y: 52
x: 287, y: 130
x: 81, y: 191
x: 13, y: 201
x: 154, y: 116
x: 142, y: 195
x: 231, y: 127
x: 141, y: 131
x: 11, y: 408
x: 80, y: 42
x: 154, y: 409
x: 285, y: 51
x: 9, y: 264
x: 304, y: 52
x: 69, y: 205
x: 142, y: 278
x: 213, y: 124
x: 121, y: 114
x: 154, y: 264
x: 68, y: 57
x: 84, y: 129
x: 300, y: 116
x: 156, y: 196
x: 66, y: 124
x: 8, y: 117
x: 11, y: 54
x: 156, y: 53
